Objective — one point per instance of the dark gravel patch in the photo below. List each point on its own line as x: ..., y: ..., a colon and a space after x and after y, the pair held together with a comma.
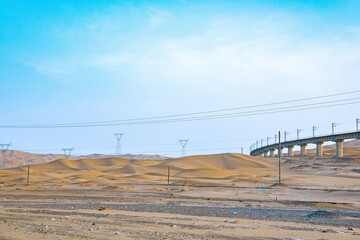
x: 332, y: 218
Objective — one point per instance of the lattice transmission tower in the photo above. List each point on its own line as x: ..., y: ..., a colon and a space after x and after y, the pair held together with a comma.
x: 67, y: 151
x: 4, y: 147
x: 183, y: 143
x: 118, y: 137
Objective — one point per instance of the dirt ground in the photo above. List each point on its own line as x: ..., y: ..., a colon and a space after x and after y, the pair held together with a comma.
x: 178, y: 212
x: 222, y: 196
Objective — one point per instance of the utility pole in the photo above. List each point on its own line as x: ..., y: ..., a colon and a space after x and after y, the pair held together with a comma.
x: 285, y: 135
x: 183, y: 143
x: 357, y: 124
x: 315, y: 128
x: 67, y: 151
x: 168, y: 175
x: 118, y: 137
x: 267, y: 140
x: 262, y: 140
x: 257, y: 144
x: 4, y: 147
x: 28, y: 175
x: 242, y: 150
x: 333, y: 125
x: 279, y: 158
x: 298, y: 131
x: 275, y: 137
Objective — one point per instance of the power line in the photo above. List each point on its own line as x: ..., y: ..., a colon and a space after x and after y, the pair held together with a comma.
x: 187, y: 150
x: 141, y: 146
x: 175, y: 118
x: 224, y: 116
x: 233, y: 115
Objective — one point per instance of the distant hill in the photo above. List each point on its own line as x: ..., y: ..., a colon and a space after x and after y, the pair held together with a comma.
x: 128, y: 156
x: 14, y: 158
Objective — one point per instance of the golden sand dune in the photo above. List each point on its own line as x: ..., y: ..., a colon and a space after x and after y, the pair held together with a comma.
x: 218, y: 161
x: 218, y: 169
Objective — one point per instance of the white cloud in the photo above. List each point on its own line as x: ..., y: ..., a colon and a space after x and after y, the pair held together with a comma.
x: 267, y: 52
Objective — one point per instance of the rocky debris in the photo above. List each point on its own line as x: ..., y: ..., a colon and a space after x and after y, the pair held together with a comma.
x: 232, y: 221
x: 43, y: 229
x: 105, y: 208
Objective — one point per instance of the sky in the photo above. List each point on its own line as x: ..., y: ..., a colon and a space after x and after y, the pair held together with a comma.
x: 87, y: 61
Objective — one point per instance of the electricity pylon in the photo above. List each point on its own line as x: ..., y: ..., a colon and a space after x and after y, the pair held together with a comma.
x: 67, y: 152
x: 118, y: 137
x: 183, y: 143
x: 4, y: 147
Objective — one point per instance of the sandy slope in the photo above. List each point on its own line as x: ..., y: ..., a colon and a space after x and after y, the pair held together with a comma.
x: 218, y: 169
x: 235, y: 169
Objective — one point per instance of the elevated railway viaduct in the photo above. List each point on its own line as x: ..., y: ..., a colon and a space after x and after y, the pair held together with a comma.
x: 269, y: 150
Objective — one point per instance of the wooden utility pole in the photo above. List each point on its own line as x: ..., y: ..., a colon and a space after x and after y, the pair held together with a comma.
x: 28, y: 175
x: 279, y: 153
x: 168, y: 180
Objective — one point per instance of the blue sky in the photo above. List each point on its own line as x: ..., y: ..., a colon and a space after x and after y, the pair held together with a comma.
x: 79, y: 61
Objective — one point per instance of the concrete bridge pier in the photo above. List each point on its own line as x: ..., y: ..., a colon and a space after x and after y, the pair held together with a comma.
x: 319, y: 149
x: 290, y: 151
x: 339, y: 148
x: 272, y: 153
x: 303, y: 149
x: 265, y: 155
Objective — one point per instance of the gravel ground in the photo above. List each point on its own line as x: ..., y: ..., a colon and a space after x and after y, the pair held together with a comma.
x: 158, y: 212
x: 322, y: 217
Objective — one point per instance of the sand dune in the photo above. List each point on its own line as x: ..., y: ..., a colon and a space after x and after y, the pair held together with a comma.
x: 14, y: 158
x: 218, y: 169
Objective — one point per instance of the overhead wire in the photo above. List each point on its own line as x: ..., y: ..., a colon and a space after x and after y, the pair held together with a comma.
x: 137, y: 146
x: 167, y: 119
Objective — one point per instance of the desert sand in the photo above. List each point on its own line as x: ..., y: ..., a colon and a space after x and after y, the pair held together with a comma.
x: 14, y: 158
x: 220, y: 196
